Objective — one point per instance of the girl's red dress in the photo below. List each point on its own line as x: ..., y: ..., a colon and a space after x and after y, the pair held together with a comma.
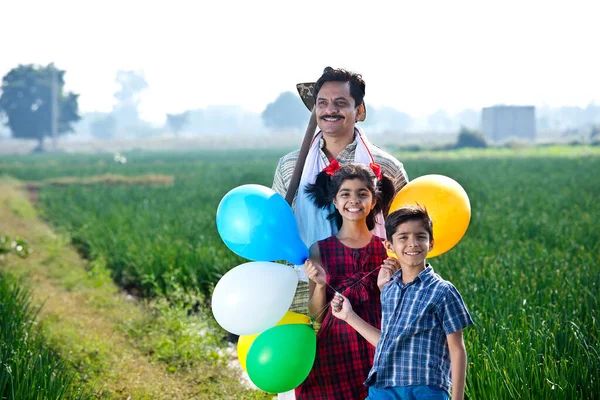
x: 344, y: 358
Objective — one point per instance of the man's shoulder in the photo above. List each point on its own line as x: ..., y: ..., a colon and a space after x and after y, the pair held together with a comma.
x: 289, y: 158
x: 384, y: 158
x: 287, y: 163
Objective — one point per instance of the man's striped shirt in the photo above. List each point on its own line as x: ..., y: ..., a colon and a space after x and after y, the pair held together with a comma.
x: 390, y: 167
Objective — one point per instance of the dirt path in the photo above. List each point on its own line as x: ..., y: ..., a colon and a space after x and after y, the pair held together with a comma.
x: 84, y: 316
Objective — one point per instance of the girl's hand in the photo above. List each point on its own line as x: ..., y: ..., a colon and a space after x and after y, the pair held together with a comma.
x: 341, y: 307
x: 315, y: 272
x: 388, y: 268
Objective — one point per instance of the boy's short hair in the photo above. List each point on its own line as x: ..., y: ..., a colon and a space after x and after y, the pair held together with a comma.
x: 408, y: 213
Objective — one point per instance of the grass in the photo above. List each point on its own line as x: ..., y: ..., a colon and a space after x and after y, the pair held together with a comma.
x: 527, y: 267
x: 528, y: 151
x: 29, y: 369
x: 116, y: 345
x: 528, y: 270
x: 111, y: 179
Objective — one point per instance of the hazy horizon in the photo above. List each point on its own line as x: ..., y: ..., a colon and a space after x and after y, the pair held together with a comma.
x: 416, y: 58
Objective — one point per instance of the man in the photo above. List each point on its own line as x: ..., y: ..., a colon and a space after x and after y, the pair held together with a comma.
x: 338, y: 101
x: 338, y: 98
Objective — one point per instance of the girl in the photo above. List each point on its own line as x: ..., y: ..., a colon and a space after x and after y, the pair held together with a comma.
x: 346, y: 262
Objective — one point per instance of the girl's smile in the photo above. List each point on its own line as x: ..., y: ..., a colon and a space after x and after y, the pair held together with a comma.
x: 354, y: 200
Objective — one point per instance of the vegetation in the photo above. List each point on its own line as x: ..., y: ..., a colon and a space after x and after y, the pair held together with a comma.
x: 28, y: 368
x: 176, y: 122
x: 527, y: 267
x: 17, y: 246
x: 470, y: 138
x: 286, y: 112
x: 27, y: 102
x: 595, y: 135
x: 116, y: 344
x: 103, y: 126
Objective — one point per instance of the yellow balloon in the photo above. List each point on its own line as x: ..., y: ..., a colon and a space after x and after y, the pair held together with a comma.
x: 294, y: 318
x: 447, y: 204
x: 245, y: 341
x: 243, y: 346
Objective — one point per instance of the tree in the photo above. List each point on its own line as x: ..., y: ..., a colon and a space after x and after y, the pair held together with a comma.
x: 470, y: 138
x: 104, y: 127
x: 287, y: 111
x: 27, y: 102
x: 176, y: 122
x: 595, y: 134
x: 131, y: 85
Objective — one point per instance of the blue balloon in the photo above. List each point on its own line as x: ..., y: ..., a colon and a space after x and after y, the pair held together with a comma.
x: 257, y: 223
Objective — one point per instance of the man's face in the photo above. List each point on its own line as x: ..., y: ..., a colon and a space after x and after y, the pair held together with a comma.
x: 335, y: 109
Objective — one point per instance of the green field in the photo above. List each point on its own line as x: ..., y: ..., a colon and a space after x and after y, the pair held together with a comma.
x: 26, y: 364
x: 528, y: 267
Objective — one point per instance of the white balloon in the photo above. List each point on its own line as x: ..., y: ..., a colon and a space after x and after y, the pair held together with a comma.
x: 254, y: 296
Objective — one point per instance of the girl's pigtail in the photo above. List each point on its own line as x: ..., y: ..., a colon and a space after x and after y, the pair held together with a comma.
x: 386, y: 191
x: 319, y: 192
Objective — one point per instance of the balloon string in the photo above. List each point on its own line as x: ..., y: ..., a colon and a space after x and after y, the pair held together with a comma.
x: 324, y: 309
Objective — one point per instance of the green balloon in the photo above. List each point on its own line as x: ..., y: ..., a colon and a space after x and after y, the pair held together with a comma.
x: 281, y: 358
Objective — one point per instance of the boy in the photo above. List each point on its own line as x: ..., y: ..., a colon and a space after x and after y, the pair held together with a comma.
x: 420, y: 353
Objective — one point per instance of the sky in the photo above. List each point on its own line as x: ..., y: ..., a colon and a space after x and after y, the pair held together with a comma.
x: 415, y: 56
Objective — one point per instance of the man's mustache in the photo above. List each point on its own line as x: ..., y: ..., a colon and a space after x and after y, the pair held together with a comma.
x: 332, y: 116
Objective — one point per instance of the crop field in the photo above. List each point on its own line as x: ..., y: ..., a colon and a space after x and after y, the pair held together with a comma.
x: 528, y: 267
x: 27, y: 364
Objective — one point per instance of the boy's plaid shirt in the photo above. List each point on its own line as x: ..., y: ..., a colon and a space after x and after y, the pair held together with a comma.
x: 413, y: 349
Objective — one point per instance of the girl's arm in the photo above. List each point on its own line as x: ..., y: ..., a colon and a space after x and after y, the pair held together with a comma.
x: 342, y: 309
x: 458, y: 363
x: 317, y: 284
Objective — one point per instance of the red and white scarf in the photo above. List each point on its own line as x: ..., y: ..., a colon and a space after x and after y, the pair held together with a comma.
x: 312, y: 221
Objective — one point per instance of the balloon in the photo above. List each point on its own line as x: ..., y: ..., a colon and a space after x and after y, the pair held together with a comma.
x: 291, y: 317
x: 253, y: 296
x: 245, y: 341
x: 257, y: 223
x: 243, y: 346
x: 447, y: 204
x: 281, y: 358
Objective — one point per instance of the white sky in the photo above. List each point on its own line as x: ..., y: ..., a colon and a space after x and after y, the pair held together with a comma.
x: 415, y: 56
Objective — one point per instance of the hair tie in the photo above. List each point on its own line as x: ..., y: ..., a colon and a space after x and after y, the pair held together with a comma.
x: 333, y: 167
x: 376, y: 170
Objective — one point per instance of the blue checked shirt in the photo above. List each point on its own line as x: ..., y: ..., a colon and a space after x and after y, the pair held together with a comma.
x: 416, y: 318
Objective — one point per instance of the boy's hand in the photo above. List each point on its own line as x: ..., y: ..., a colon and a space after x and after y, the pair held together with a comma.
x: 341, y: 307
x: 315, y: 272
x: 388, y: 268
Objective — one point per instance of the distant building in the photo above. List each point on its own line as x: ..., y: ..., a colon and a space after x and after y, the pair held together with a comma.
x: 502, y: 122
